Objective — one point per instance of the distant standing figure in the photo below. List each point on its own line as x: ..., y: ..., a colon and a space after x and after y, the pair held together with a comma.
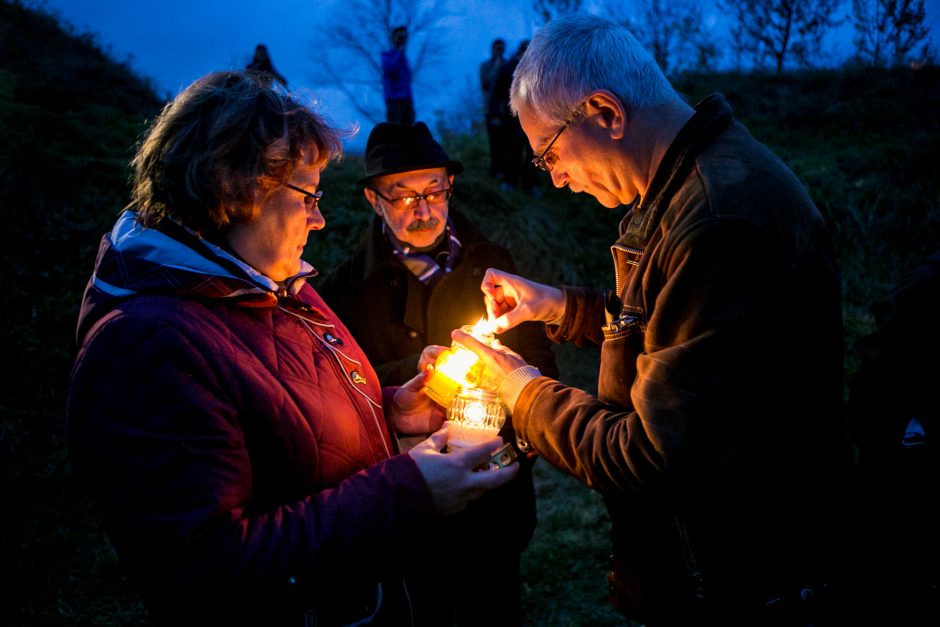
x: 489, y: 70
x: 892, y: 411
x: 261, y: 65
x: 514, y: 145
x: 396, y: 80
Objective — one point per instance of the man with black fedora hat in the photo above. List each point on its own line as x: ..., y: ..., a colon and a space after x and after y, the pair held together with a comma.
x: 413, y: 278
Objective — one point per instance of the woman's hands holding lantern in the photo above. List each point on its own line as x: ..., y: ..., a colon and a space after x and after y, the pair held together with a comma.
x: 452, y: 477
x: 511, y: 300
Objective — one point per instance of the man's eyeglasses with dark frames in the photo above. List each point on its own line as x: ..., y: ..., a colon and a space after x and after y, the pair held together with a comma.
x: 546, y: 160
x: 437, y: 197
x: 311, y: 199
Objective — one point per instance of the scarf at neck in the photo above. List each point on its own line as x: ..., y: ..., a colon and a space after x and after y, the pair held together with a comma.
x: 429, y: 266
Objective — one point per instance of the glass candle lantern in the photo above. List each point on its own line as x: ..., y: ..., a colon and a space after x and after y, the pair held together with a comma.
x: 458, y: 367
x: 474, y: 416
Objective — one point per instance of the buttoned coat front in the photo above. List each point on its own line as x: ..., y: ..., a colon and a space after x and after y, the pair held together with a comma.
x: 233, y: 435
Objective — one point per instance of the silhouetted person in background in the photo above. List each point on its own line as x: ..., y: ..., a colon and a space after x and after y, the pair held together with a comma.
x: 892, y: 407
x: 489, y: 71
x: 396, y: 80
x: 513, y: 142
x: 261, y: 65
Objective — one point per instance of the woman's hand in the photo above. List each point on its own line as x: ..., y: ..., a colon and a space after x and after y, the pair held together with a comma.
x: 429, y: 357
x: 452, y: 477
x: 412, y: 412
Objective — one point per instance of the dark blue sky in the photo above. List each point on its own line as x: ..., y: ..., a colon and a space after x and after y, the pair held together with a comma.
x: 175, y: 41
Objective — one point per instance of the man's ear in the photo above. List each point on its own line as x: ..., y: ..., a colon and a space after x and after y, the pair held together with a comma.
x: 608, y: 112
x: 373, y: 199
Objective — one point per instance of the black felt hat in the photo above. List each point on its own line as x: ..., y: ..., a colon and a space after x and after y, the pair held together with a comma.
x: 394, y: 148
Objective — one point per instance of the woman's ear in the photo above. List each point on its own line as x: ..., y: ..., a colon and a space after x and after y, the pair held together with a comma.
x: 607, y: 112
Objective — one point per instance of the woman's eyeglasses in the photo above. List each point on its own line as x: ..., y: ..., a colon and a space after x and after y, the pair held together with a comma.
x: 311, y: 199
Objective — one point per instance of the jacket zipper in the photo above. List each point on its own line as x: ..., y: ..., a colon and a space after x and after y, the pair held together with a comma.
x: 690, y: 561
x: 629, y: 250
x: 334, y: 352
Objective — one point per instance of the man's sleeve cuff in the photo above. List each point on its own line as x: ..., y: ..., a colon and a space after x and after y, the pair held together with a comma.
x: 512, y: 385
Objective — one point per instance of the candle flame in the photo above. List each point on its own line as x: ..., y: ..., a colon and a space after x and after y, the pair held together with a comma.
x: 457, y: 365
x: 483, y: 327
x: 475, y: 413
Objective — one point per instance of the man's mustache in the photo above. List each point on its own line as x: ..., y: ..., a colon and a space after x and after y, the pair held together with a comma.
x: 424, y: 225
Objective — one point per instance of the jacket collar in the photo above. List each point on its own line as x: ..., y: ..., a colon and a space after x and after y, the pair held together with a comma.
x: 173, y: 260
x: 712, y: 116
x: 179, y: 252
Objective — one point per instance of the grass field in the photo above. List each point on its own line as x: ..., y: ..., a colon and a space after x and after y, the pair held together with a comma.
x: 564, y: 569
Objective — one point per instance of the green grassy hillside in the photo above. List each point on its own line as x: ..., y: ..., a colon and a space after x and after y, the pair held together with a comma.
x: 69, y: 116
x: 866, y: 145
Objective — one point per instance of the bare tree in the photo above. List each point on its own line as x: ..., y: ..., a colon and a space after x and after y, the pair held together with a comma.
x: 780, y: 29
x: 550, y: 9
x: 888, y: 32
x: 349, y: 53
x: 673, y: 31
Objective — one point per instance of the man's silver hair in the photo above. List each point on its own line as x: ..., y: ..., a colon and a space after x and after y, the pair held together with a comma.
x: 571, y: 57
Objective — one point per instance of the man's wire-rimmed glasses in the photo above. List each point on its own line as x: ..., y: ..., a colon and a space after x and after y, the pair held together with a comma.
x: 546, y: 160
x: 437, y: 197
x: 311, y: 199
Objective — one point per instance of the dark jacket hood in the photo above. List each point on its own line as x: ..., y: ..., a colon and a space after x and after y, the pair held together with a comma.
x: 134, y: 259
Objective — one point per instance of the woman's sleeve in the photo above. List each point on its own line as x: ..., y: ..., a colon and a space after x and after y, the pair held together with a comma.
x: 154, y: 429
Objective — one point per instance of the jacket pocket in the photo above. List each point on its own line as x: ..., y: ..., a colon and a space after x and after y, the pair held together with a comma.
x: 623, y: 341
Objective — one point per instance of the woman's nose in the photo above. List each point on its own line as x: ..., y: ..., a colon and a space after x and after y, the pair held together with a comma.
x: 315, y: 220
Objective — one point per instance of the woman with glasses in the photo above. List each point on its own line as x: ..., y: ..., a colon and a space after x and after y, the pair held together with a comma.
x: 235, y: 437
